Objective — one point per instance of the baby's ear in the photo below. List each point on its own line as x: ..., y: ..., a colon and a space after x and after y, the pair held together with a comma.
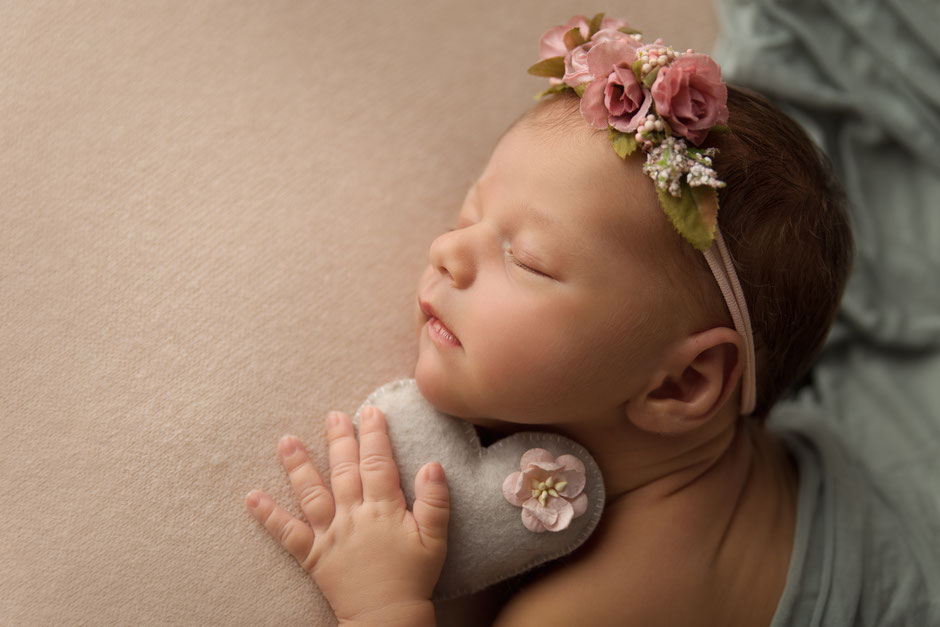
x: 697, y: 378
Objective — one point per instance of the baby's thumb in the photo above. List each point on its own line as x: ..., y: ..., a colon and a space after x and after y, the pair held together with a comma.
x: 432, y: 504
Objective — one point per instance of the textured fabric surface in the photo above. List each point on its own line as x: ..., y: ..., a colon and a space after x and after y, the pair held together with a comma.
x: 212, y: 218
x: 863, y: 76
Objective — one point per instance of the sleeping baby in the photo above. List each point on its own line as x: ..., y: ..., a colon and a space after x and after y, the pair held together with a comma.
x: 593, y: 289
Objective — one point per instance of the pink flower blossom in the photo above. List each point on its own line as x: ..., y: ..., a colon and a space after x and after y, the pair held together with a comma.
x: 614, y: 97
x: 576, y: 67
x: 689, y: 94
x: 610, y: 34
x: 576, y: 64
x: 552, y: 43
x: 549, y: 490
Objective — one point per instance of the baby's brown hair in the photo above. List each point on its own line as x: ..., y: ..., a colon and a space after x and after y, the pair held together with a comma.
x: 783, y: 216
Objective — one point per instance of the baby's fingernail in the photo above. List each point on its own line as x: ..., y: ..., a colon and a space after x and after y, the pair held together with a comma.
x: 435, y: 472
x: 288, y: 445
x: 368, y: 413
x: 333, y: 418
x: 253, y: 499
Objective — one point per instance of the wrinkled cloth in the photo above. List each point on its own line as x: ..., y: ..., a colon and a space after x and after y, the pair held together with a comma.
x: 862, y: 77
x: 860, y: 557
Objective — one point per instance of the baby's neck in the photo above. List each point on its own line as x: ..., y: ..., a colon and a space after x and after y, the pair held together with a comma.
x: 639, y: 464
x: 724, y: 501
x: 636, y: 462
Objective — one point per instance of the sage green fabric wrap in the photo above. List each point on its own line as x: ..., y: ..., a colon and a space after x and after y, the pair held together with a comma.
x: 863, y: 78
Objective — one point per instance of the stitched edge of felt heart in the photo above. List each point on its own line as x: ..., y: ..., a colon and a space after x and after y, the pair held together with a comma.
x: 487, y: 542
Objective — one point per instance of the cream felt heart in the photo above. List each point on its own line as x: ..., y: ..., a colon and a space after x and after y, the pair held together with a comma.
x: 487, y: 540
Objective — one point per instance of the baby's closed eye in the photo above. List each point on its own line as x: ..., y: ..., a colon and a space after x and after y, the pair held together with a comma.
x: 528, y: 266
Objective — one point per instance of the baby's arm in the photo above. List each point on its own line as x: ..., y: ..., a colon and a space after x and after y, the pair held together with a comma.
x: 375, y: 561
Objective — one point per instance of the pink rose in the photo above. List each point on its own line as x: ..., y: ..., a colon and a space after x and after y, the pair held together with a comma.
x: 615, y: 97
x: 552, y: 43
x: 626, y: 100
x: 576, y: 67
x: 689, y: 94
x: 549, y: 490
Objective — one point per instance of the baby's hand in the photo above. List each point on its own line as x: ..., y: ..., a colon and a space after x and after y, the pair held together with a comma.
x: 374, y: 560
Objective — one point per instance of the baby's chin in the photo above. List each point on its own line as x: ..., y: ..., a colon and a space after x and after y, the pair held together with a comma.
x: 443, y: 399
x: 437, y: 393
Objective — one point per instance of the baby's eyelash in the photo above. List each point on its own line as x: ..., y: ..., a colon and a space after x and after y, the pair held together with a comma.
x: 516, y: 261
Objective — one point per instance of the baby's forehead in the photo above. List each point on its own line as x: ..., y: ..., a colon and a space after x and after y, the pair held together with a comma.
x: 570, y: 172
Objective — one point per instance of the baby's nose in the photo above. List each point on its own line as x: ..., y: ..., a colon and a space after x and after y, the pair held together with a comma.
x: 451, y: 254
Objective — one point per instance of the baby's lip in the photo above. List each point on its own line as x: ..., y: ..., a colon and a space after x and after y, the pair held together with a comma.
x: 428, y: 310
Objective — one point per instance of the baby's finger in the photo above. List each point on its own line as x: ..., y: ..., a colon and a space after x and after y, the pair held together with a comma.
x: 376, y: 464
x: 432, y: 505
x: 292, y: 534
x: 344, y: 460
x: 315, y: 498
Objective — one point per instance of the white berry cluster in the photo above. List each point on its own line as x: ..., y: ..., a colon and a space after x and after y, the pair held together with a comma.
x: 656, y: 56
x: 672, y: 159
x: 645, y: 130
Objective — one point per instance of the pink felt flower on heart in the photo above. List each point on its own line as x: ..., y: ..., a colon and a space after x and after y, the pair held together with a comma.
x: 549, y: 490
x: 614, y: 97
x: 689, y: 94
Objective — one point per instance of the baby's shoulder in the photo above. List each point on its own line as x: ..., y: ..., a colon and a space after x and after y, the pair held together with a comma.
x: 619, y: 577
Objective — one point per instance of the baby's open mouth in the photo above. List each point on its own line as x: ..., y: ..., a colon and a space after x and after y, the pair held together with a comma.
x: 441, y: 333
x: 437, y: 330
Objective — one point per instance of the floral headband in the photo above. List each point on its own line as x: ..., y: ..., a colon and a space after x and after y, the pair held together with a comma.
x: 649, y: 96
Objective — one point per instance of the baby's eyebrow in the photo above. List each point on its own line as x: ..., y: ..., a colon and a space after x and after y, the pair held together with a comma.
x: 537, y: 215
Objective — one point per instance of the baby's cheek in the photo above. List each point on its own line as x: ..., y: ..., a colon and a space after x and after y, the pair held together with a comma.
x: 522, y: 356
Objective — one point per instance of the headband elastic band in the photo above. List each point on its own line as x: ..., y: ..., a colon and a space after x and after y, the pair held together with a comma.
x: 719, y: 261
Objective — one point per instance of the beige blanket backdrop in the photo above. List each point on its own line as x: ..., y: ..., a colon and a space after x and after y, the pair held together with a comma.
x: 212, y: 216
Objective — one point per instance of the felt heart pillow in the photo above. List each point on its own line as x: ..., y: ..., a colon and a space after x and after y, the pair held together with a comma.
x: 490, y: 538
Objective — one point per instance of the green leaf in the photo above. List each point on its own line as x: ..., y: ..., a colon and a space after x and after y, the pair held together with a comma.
x: 553, y: 67
x: 624, y: 144
x: 596, y: 23
x: 579, y: 89
x: 573, y: 38
x: 694, y: 213
x: 637, y: 68
x: 554, y: 89
x: 629, y: 31
x: 650, y: 78
x: 721, y: 129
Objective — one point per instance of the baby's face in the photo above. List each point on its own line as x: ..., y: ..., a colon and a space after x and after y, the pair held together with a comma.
x: 546, y: 303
